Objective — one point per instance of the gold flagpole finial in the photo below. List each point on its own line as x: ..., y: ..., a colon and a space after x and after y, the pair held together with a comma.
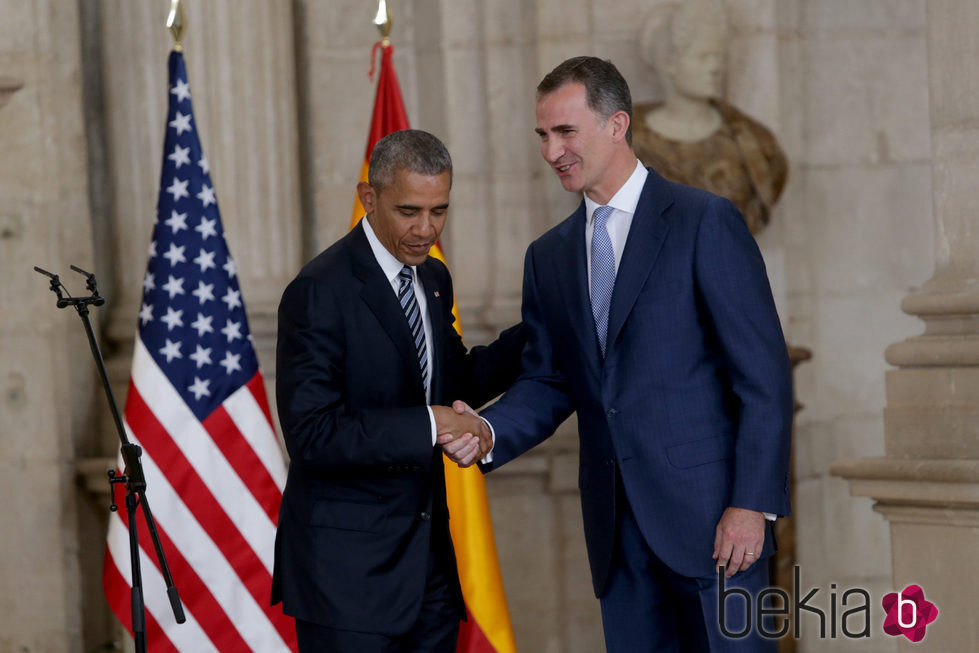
x: 176, y: 24
x: 383, y: 21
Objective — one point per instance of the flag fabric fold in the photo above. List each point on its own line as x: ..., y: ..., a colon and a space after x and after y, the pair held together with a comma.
x: 197, y: 407
x: 488, y: 628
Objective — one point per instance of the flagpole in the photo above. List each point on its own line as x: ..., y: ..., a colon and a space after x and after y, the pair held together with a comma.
x: 176, y: 23
x: 382, y: 20
x: 487, y: 628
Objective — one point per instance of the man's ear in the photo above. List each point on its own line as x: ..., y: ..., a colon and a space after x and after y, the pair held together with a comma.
x: 620, y: 125
x: 367, y: 195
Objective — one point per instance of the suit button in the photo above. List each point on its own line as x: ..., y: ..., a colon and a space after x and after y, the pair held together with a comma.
x: 612, y: 412
x: 425, y: 516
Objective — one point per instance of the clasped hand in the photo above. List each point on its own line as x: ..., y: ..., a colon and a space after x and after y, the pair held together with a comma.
x: 462, y: 434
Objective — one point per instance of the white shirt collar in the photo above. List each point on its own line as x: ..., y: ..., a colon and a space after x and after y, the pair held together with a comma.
x: 626, y: 198
x: 390, y: 265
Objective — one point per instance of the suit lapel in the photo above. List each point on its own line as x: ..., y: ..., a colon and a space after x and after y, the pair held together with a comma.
x: 379, y: 296
x: 572, y: 266
x: 642, y: 247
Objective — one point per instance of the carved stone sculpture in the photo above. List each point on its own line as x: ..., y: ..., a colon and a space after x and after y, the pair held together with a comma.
x: 693, y: 136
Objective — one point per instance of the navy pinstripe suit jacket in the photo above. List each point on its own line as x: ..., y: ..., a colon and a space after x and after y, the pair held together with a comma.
x: 693, y: 402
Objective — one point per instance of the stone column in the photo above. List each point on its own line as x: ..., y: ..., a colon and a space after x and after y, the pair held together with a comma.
x: 476, y: 91
x: 927, y: 484
x: 47, y: 378
x: 240, y: 64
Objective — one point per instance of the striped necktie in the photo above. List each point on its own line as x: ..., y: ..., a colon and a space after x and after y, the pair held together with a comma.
x: 406, y: 294
x: 602, y: 273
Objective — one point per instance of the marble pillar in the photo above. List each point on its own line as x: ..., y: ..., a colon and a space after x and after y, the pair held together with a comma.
x: 927, y: 484
x: 47, y: 379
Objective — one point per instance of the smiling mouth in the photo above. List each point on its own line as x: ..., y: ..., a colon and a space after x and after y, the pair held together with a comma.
x: 563, y: 168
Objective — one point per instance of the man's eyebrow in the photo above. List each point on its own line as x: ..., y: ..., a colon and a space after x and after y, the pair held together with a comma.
x: 555, y: 128
x: 414, y: 207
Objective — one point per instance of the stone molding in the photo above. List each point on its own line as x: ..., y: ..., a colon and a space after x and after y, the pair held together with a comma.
x: 91, y: 474
x: 929, y: 483
x: 927, y: 304
x: 929, y: 516
x: 950, y: 338
x: 8, y: 86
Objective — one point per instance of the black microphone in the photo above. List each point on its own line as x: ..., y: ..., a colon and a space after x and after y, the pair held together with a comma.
x: 91, y: 284
x: 55, y: 286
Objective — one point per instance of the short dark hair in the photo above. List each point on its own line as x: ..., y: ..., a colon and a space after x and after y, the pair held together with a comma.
x: 606, y: 90
x: 409, y: 149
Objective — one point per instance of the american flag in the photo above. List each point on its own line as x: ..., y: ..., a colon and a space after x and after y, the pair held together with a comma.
x: 197, y: 406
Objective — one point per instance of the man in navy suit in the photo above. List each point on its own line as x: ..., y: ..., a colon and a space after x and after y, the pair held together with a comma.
x: 366, y: 349
x: 649, y: 313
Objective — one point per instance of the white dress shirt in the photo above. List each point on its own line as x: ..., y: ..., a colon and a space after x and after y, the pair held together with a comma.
x: 391, y: 267
x: 623, y: 205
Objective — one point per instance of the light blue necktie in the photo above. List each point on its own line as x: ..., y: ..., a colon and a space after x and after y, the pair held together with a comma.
x: 406, y: 294
x: 602, y: 273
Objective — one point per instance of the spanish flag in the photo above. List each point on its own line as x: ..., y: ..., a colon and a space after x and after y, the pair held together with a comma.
x: 488, y: 628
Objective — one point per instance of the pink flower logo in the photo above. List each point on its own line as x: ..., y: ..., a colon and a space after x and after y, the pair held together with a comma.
x: 908, y: 613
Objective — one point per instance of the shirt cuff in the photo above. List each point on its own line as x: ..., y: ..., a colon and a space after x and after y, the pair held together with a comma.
x: 431, y: 420
x: 770, y: 516
x: 488, y: 458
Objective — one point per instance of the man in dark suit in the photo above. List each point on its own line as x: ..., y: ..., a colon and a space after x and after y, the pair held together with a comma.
x: 366, y: 348
x: 649, y: 313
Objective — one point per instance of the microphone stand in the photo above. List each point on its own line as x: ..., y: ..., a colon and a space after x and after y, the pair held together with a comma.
x: 134, y: 478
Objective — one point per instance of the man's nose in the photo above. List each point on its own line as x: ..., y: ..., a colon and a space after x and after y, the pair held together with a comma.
x: 423, y: 226
x: 551, y: 150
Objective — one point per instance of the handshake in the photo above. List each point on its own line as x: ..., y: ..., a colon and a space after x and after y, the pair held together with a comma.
x: 462, y: 434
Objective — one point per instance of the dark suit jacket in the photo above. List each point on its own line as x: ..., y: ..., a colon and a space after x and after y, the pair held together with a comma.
x: 365, y: 494
x: 693, y: 402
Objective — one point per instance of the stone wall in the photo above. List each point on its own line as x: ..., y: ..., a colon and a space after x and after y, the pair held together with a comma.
x: 852, y: 236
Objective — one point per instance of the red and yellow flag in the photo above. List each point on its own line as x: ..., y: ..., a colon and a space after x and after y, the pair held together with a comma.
x: 488, y: 628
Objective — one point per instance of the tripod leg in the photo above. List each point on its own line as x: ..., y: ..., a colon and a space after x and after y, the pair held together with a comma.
x: 175, y: 604
x: 138, y: 614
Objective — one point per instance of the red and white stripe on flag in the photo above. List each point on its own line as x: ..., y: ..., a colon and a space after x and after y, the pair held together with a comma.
x: 197, y: 406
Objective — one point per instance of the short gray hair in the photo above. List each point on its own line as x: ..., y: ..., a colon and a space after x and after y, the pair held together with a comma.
x: 606, y: 91
x: 413, y: 150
